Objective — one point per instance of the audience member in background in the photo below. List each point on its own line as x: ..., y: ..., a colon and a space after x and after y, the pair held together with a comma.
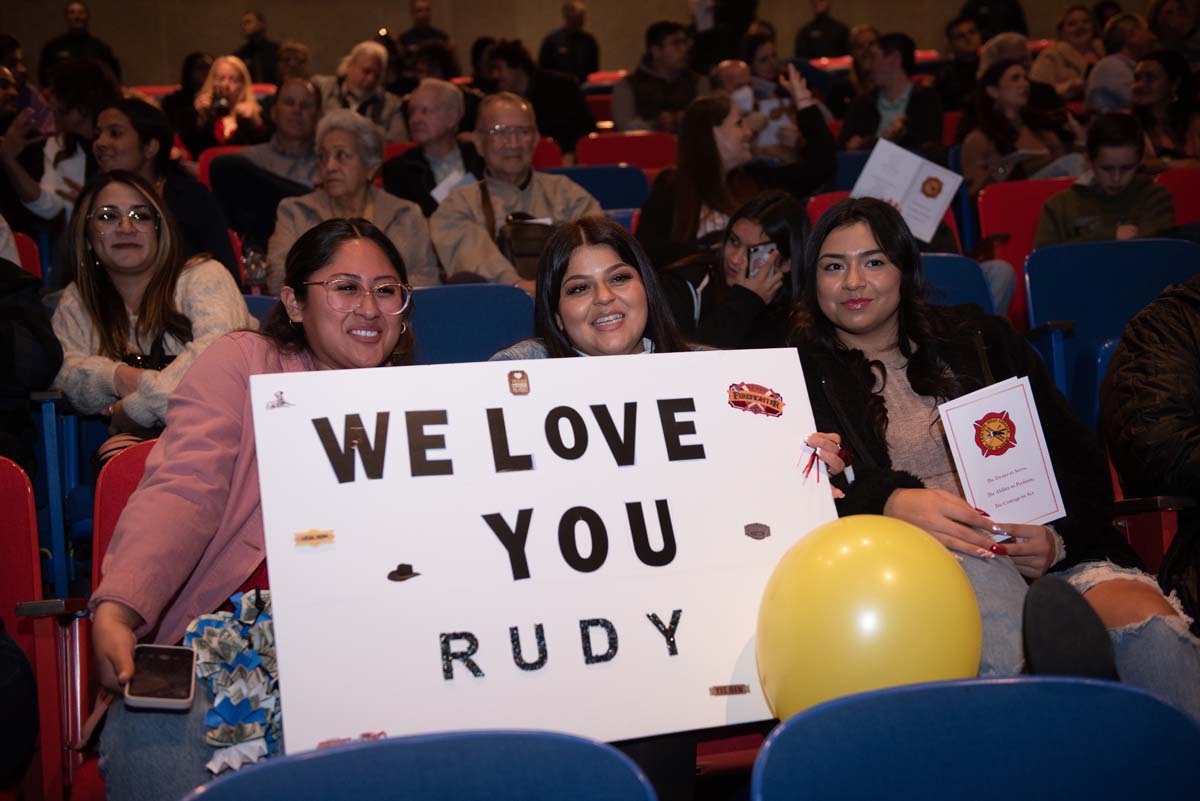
x: 1112, y: 201
x: 1174, y: 23
x: 294, y: 60
x: 260, y: 54
x: 733, y: 79
x: 955, y: 82
x: 12, y: 56
x: 290, y: 153
x: 1103, y: 11
x: 442, y: 162
x: 1042, y: 97
x: 1110, y: 84
x: 996, y: 16
x: 226, y: 110
x: 79, y: 88
x: 897, y: 110
x: 717, y: 28
x: 654, y: 96
x: 134, y: 136
x: 358, y: 86
x: 689, y: 205
x: 823, y: 36
x: 557, y: 100
x: 571, y: 49
x: 1148, y: 404
x: 864, y: 41
x: 349, y: 153
x: 30, y: 357
x: 1065, y: 64
x: 343, y: 307
x: 597, y: 295
x: 762, y: 27
x: 180, y: 105
x: 464, y: 232
x: 759, y: 53
x: 743, y: 298
x: 76, y: 43
x: 885, y: 365
x: 137, y: 314
x: 435, y: 59
x: 481, y: 53
x: 422, y: 29
x: 29, y: 158
x: 1164, y: 101
x: 1012, y: 142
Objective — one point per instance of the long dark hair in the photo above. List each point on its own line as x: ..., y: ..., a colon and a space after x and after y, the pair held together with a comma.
x: 1183, y: 103
x: 186, y: 81
x: 992, y: 122
x: 917, y: 343
x: 86, y: 86
x: 316, y: 248
x: 157, y: 314
x: 598, y: 230
x: 783, y: 220
x: 701, y: 180
x: 150, y: 125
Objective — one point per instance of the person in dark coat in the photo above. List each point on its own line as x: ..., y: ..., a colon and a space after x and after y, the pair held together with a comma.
x: 571, y: 49
x: 823, y: 36
x: 955, y: 82
x: 260, y: 54
x: 77, y: 42
x: 557, y: 100
x: 996, y: 16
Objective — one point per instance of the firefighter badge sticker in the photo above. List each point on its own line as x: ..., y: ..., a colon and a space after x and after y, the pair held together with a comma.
x: 756, y: 399
x: 995, y: 434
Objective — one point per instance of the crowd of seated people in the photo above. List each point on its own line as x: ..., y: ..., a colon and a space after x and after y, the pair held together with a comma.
x: 396, y: 172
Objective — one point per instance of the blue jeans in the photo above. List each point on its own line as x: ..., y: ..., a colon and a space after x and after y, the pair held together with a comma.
x: 1156, y: 654
x: 147, y: 755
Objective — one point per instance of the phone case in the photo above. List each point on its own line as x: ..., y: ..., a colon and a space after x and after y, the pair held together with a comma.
x: 157, y: 702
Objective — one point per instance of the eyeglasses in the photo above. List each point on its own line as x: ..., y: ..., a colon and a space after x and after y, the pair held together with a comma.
x: 108, y: 218
x: 345, y: 295
x: 500, y: 132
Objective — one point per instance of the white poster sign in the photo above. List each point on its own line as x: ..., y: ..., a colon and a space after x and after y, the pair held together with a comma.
x: 569, y: 544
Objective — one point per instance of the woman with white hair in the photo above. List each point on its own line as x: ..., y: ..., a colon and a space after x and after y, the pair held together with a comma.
x: 358, y: 86
x: 349, y: 153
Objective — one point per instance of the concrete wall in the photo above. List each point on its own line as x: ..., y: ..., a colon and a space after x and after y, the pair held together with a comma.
x: 152, y: 36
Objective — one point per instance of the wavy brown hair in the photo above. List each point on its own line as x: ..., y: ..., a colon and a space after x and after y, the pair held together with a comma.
x: 701, y: 180
x: 157, y: 314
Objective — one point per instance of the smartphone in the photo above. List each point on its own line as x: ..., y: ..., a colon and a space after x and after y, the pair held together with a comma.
x: 759, y: 256
x: 164, y: 677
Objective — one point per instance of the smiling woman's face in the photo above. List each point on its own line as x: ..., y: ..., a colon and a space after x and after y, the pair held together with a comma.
x: 858, y: 286
x: 123, y: 245
x: 602, y: 305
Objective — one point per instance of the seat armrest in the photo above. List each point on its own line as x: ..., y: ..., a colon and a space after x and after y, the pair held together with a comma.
x: 1153, y: 503
x: 1065, y: 326
x: 53, y: 607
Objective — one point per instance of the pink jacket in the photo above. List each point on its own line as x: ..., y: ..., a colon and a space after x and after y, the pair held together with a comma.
x: 192, y: 533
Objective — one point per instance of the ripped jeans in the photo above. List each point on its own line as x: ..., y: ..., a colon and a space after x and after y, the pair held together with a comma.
x: 1158, y: 654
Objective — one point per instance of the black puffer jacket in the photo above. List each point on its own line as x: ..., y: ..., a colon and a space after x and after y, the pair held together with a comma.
x: 1150, y: 399
x: 980, y: 350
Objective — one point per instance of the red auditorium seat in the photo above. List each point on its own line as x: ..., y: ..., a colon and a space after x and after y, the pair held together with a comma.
x: 1184, y: 185
x: 204, y: 162
x: 950, y: 127
x: 600, y: 105
x: 28, y: 254
x: 547, y: 154
x: 645, y: 149
x: 606, y: 76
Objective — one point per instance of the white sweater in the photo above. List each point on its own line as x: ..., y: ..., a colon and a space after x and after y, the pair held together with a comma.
x: 205, y: 294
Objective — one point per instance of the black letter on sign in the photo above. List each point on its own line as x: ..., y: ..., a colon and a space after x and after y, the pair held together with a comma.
x: 641, y: 538
x: 504, y: 460
x: 585, y: 627
x: 449, y: 656
x: 674, y: 429
x: 568, y: 545
x: 341, y: 459
x: 420, y: 443
x: 513, y: 541
x: 514, y: 634
x: 621, y: 446
x: 579, y: 438
x: 668, y: 632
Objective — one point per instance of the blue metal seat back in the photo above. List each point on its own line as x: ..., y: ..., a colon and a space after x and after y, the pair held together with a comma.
x: 468, y: 322
x: 954, y: 279
x: 615, y: 186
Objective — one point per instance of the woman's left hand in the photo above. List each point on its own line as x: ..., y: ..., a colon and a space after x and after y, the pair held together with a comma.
x: 829, y: 449
x: 797, y: 87
x: 1032, y: 550
x: 119, y: 419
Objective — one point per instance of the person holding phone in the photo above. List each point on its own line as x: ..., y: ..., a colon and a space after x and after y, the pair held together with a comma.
x: 742, y: 296
x: 192, y: 534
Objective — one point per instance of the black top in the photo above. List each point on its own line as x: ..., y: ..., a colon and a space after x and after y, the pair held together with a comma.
x: 955, y: 84
x: 262, y: 59
x: 202, y: 224
x: 824, y: 37
x: 410, y: 175
x: 75, y: 45
x: 571, y: 51
x: 561, y: 110
x: 199, y: 137
x: 996, y: 16
x: 923, y: 122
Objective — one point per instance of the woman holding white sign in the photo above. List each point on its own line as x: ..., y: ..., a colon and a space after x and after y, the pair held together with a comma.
x: 192, y: 534
x: 881, y: 361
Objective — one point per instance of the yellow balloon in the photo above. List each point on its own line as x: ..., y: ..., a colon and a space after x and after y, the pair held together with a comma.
x: 861, y: 603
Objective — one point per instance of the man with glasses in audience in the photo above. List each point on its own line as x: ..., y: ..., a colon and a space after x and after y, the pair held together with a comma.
x: 654, y: 96
x: 956, y: 81
x: 442, y: 162
x: 465, y: 225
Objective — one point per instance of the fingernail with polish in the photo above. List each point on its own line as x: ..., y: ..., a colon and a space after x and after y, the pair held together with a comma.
x: 985, y: 514
x: 982, y: 554
x: 998, y: 549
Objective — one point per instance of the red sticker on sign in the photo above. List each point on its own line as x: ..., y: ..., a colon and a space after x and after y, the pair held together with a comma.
x: 995, y: 434
x: 756, y: 399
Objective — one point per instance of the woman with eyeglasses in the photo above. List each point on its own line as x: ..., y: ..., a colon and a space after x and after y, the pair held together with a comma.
x: 349, y: 154
x: 137, y: 314
x: 192, y: 534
